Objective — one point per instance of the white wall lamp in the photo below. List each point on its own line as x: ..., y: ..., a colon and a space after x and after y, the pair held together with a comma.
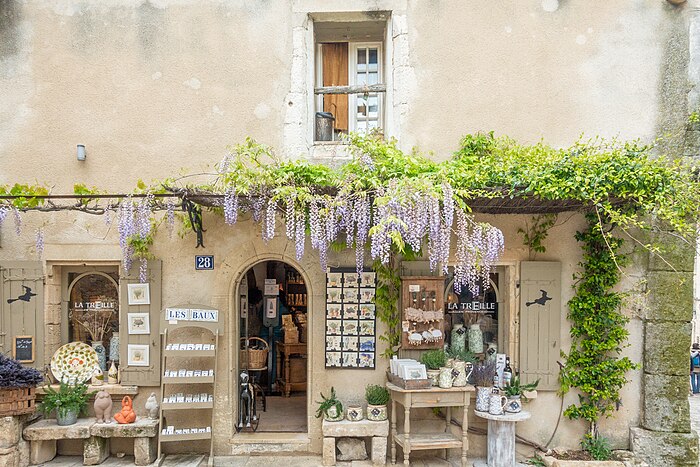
x: 81, y: 152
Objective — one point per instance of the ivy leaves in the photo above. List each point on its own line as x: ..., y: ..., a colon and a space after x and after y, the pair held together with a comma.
x: 598, y: 331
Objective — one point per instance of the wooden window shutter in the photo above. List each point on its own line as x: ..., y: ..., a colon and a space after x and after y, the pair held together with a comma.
x: 540, y: 322
x: 335, y: 73
x: 23, y: 287
x: 140, y: 375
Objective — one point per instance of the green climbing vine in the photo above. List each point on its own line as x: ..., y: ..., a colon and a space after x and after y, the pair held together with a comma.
x: 536, y: 233
x: 593, y: 364
x: 386, y: 300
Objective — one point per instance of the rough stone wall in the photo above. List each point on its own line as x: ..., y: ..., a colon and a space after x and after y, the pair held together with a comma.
x: 664, y: 436
x: 14, y: 450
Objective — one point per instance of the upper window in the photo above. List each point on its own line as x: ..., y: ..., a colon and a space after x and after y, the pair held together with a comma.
x: 350, y: 84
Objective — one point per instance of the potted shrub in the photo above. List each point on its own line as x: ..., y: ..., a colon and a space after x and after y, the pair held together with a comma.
x: 483, y: 379
x: 433, y: 361
x: 330, y: 408
x: 514, y: 391
x: 68, y: 402
x: 17, y: 387
x: 377, y: 398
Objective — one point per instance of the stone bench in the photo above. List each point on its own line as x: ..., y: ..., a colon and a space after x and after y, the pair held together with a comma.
x: 377, y: 431
x: 42, y: 437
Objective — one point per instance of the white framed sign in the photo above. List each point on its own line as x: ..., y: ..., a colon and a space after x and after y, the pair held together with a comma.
x: 139, y: 294
x: 272, y: 289
x: 139, y: 323
x: 138, y: 355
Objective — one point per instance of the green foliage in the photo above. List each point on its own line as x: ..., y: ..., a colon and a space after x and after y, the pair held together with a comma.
x: 26, y: 195
x: 536, y: 460
x: 386, y: 300
x: 597, y: 446
x: 434, y: 359
x: 141, y: 245
x: 67, y: 398
x: 515, y: 388
x: 598, y: 332
x: 463, y: 355
x: 328, y: 402
x: 376, y: 395
x: 535, y: 234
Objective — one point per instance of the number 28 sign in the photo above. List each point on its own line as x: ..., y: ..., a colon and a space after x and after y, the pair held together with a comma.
x: 204, y: 262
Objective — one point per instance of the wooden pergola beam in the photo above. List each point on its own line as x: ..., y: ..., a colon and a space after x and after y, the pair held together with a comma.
x: 356, y: 89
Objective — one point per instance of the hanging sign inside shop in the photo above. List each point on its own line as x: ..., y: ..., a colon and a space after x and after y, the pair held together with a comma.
x: 475, y: 306
x: 187, y: 314
x: 204, y: 262
x: 98, y: 305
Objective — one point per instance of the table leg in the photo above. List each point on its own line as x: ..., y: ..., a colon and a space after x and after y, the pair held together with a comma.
x: 448, y: 419
x: 465, y: 427
x: 501, y: 443
x: 406, y: 434
x: 393, y: 432
x: 287, y: 375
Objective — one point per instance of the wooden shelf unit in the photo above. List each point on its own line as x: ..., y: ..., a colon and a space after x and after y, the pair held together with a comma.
x: 166, y: 381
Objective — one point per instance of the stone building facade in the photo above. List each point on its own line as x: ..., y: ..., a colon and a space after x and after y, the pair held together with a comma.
x: 153, y: 86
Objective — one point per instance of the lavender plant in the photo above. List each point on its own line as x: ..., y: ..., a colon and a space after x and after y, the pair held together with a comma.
x: 14, y: 375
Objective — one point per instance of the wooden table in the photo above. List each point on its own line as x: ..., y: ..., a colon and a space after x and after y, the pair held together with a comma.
x: 421, y: 398
x: 286, y: 351
x: 501, y: 437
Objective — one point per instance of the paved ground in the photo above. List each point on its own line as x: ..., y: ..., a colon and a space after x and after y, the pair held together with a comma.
x: 695, y: 413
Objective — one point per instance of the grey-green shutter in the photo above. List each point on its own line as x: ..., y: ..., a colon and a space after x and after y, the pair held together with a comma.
x: 22, y: 318
x: 140, y: 375
x: 540, y: 324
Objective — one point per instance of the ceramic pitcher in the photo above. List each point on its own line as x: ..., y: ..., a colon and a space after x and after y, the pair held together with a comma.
x: 462, y: 373
x: 446, y: 378
x: 482, y: 399
x: 497, y: 403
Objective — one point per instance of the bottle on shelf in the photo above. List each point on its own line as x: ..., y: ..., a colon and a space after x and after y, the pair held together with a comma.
x: 507, y: 372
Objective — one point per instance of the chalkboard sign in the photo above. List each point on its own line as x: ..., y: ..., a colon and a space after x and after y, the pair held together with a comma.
x: 23, y: 349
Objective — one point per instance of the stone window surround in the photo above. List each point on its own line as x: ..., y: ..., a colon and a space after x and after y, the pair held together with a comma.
x: 298, y: 132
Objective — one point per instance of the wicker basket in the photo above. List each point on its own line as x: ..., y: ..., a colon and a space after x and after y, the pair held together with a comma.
x: 17, y: 401
x: 253, y: 358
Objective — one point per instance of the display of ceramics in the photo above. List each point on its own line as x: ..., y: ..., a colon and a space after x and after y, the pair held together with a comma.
x: 74, y: 363
x: 476, y: 339
x: 459, y: 338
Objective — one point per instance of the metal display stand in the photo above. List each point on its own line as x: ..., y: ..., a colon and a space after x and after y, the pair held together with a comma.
x: 169, y: 355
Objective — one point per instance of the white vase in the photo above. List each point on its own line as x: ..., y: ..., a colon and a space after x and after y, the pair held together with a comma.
x: 482, y: 399
x: 113, y: 374
x: 114, y: 347
x: 101, y: 354
x: 446, y: 378
x: 476, y: 339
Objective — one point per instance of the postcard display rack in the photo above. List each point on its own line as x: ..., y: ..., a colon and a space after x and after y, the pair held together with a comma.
x: 351, y: 337
x: 195, y: 324
x: 423, y: 312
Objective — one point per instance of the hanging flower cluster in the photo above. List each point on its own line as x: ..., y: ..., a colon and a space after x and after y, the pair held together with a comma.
x: 135, y: 229
x: 398, y: 213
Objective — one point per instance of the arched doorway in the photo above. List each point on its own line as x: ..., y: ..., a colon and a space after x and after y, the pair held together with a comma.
x: 272, y: 335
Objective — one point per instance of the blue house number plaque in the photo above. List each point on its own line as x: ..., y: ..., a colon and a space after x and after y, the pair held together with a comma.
x: 204, y: 262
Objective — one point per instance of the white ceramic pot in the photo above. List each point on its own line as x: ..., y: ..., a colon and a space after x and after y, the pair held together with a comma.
x: 433, y: 376
x: 482, y: 399
x: 332, y: 415
x: 514, y: 404
x: 476, y: 339
x: 446, y: 378
x: 355, y: 413
x: 376, y: 413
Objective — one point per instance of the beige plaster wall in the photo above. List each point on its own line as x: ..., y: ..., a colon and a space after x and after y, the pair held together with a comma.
x: 153, y: 86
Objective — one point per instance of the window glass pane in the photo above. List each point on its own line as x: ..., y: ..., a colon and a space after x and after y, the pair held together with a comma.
x: 361, y: 127
x: 361, y: 78
x: 373, y: 104
x: 373, y: 78
x: 372, y: 124
x: 361, y: 107
x: 373, y: 56
x: 361, y: 56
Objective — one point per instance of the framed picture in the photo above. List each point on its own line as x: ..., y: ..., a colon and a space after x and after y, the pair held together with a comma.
x: 270, y: 307
x: 414, y: 372
x: 139, y: 294
x: 139, y: 323
x: 137, y: 355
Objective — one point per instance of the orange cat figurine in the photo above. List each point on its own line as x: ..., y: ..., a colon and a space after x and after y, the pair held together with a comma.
x: 126, y: 414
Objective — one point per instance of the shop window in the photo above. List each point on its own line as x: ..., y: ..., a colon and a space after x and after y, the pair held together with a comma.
x: 93, y: 308
x: 350, y: 85
x: 480, y: 313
